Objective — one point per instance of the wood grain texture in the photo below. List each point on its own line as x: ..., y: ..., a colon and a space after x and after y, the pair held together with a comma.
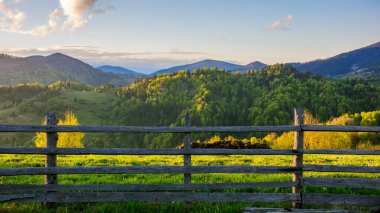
x: 340, y: 199
x: 146, y: 129
x: 89, y: 197
x: 136, y: 151
x: 268, y: 210
x: 340, y: 152
x: 164, y: 129
x: 142, y: 187
x: 333, y: 168
x: 145, y: 170
x: 187, y: 146
x: 343, y: 182
x: 51, y: 142
x: 298, y: 158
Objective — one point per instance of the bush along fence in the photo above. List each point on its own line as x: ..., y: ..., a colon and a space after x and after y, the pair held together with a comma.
x: 53, y: 192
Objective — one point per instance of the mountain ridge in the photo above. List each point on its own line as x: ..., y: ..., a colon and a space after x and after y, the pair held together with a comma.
x: 362, y: 58
x: 61, y: 67
x: 212, y: 63
x: 55, y: 67
x: 120, y: 70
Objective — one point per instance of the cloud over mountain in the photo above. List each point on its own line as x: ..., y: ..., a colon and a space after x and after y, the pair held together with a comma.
x: 68, y: 16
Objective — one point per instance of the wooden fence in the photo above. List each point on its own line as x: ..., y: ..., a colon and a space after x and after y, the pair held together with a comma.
x: 52, y: 192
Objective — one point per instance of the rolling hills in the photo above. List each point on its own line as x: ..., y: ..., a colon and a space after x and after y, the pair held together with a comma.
x: 213, y: 97
x: 363, y: 58
x: 55, y: 67
x: 213, y: 63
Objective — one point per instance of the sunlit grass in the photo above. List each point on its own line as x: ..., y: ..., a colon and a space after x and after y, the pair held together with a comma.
x: 10, y: 161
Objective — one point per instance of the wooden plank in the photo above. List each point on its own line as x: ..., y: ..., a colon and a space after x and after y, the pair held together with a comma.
x: 51, y: 159
x: 145, y: 170
x: 154, y: 129
x: 143, y: 187
x: 187, y: 146
x: 332, y: 168
x: 136, y: 151
x: 90, y: 197
x: 343, y: 182
x: 146, y: 129
x: 336, y: 128
x: 165, y: 151
x: 266, y: 210
x: 340, y: 199
x: 298, y: 158
x: 51, y: 142
x: 340, y: 152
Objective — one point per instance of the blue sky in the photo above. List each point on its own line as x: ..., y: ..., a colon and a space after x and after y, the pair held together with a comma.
x: 147, y: 35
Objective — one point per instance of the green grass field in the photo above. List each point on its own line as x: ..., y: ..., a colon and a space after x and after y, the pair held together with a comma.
x: 95, y: 160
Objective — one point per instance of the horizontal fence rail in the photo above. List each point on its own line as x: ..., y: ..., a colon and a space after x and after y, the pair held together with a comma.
x: 156, y: 129
x: 145, y: 170
x: 150, y: 196
x: 144, y: 187
x: 163, y: 151
x: 343, y: 182
x: 127, y: 151
x: 52, y: 192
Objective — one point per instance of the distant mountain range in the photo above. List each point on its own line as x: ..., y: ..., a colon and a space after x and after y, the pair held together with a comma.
x: 120, y: 70
x: 55, y: 67
x: 213, y: 63
x: 364, y: 58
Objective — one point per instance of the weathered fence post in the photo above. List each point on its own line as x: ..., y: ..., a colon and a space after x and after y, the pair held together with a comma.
x: 187, y: 145
x: 51, y: 160
x: 298, y: 158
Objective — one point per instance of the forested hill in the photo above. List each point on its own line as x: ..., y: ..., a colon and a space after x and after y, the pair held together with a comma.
x: 264, y: 97
x: 213, y: 97
x: 360, y: 59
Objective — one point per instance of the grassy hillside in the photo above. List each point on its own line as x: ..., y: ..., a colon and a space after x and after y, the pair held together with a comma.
x: 14, y: 70
x: 372, y: 75
x: 21, y: 106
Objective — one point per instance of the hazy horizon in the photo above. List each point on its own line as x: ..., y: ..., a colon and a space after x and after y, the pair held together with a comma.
x: 149, y: 35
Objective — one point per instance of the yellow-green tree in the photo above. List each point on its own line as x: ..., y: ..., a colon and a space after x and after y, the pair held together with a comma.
x: 65, y: 139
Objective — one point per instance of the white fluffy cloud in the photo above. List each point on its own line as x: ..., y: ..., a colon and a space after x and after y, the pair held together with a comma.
x: 282, y: 24
x: 69, y: 16
x: 75, y: 11
x: 11, y: 19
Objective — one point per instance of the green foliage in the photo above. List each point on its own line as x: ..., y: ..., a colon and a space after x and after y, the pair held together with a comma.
x: 61, y: 85
x: 213, y: 98
x: 65, y: 139
x: 336, y: 140
x: 217, y: 97
x: 105, y: 87
x: 28, y: 104
x: 229, y: 142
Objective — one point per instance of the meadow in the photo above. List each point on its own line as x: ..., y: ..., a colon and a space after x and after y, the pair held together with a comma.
x: 96, y: 160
